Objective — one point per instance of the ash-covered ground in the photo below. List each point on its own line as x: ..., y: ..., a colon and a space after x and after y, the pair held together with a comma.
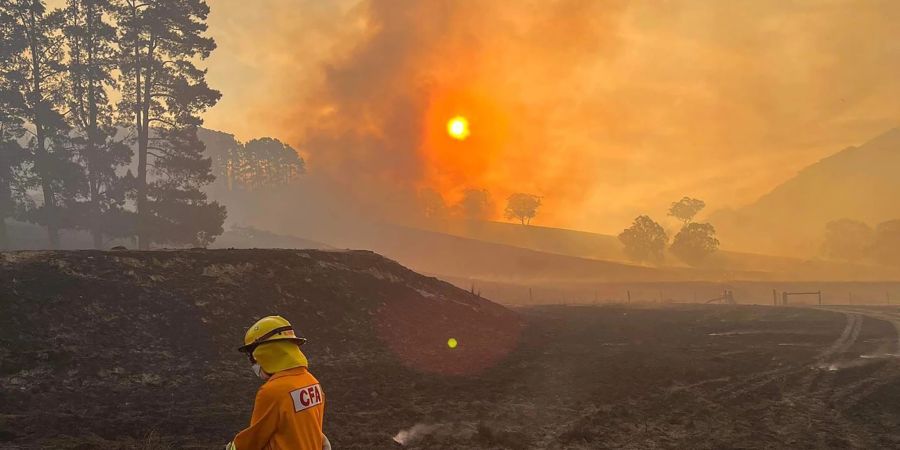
x: 137, y: 350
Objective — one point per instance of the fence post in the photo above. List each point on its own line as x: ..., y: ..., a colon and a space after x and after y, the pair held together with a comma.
x: 629, y: 296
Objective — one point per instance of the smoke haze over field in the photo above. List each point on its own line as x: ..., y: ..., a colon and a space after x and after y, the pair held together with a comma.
x: 607, y: 109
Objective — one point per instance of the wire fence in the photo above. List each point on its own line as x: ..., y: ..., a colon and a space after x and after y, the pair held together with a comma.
x: 754, y: 293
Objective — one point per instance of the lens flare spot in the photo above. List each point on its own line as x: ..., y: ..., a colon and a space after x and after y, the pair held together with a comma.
x: 458, y: 128
x: 452, y: 343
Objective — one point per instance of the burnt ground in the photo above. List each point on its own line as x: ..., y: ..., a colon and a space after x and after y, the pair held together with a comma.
x: 136, y: 350
x: 683, y: 377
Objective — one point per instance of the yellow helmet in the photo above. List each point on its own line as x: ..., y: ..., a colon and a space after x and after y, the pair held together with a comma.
x: 269, y: 329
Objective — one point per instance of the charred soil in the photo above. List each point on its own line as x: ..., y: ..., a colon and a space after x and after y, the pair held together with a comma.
x: 137, y: 350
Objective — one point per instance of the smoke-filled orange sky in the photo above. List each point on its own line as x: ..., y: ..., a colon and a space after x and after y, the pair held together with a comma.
x: 605, y: 108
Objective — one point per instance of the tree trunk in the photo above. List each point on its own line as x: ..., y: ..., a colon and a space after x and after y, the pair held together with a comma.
x: 42, y: 155
x: 50, y: 208
x: 229, y: 174
x: 143, y: 244
x: 93, y: 135
x: 143, y: 141
x: 4, y: 237
x: 141, y: 200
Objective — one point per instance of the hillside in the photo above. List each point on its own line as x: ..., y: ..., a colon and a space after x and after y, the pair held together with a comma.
x: 858, y: 182
x: 444, y: 254
x: 517, y: 258
x: 561, y: 241
x: 724, y: 264
x: 465, y: 261
x: 134, y: 346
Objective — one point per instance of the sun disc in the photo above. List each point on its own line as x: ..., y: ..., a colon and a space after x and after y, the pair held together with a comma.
x: 458, y: 128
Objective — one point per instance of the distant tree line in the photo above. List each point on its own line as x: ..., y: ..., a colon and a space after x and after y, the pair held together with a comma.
x: 477, y: 204
x: 856, y: 241
x: 99, y: 111
x: 646, y: 240
x: 258, y: 163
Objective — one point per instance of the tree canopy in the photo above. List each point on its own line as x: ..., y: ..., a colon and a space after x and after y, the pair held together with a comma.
x: 522, y: 207
x: 645, y: 240
x: 92, y: 58
x: 694, y: 243
x: 686, y: 208
x: 163, y: 94
x: 258, y: 163
x: 432, y: 204
x: 65, y: 143
x: 475, y: 204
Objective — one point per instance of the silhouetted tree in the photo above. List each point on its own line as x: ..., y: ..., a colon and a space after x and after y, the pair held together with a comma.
x: 92, y: 59
x: 15, y: 180
x: 886, y: 245
x: 178, y: 211
x: 432, y: 204
x: 226, y: 153
x: 39, y: 66
x: 695, y: 242
x: 686, y: 208
x: 163, y: 93
x: 645, y: 240
x: 475, y: 204
x: 13, y: 158
x: 13, y: 199
x: 848, y: 239
x: 522, y: 207
x: 269, y: 162
x: 261, y: 162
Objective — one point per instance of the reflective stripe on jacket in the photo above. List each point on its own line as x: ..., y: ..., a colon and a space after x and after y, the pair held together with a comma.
x: 287, y: 415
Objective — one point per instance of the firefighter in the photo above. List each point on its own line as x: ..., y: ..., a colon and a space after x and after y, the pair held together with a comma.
x: 290, y: 405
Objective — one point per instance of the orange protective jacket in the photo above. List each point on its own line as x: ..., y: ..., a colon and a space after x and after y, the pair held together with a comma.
x: 287, y: 415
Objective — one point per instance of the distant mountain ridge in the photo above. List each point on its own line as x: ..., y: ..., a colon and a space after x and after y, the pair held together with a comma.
x: 860, y: 182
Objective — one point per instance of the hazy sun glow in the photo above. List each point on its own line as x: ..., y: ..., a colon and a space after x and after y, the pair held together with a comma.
x: 663, y: 99
x: 458, y: 128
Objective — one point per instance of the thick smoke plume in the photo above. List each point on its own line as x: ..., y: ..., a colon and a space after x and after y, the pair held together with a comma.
x: 381, y: 112
x: 606, y: 108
